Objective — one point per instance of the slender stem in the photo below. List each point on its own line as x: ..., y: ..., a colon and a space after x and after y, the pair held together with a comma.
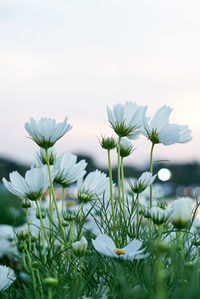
x: 24, y: 260
x: 119, y: 181
x: 42, y: 222
x: 54, y: 197
x: 38, y: 274
x: 123, y: 193
x: 63, y: 200
x: 42, y: 232
x: 197, y: 254
x: 138, y: 221
x: 111, y: 196
x: 31, y: 268
x: 160, y: 229
x: 119, y: 191
x: 151, y: 170
x: 71, y: 224
x: 29, y: 231
x: 81, y: 219
x: 49, y: 293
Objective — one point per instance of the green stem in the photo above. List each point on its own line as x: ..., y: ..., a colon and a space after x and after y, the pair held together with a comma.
x: 160, y: 229
x: 111, y: 196
x: 119, y: 188
x: 42, y: 232
x: 151, y: 170
x: 24, y: 260
x: 54, y: 197
x: 30, y: 265
x: 138, y: 220
x: 197, y: 253
x: 71, y: 224
x: 29, y: 231
x: 123, y: 193
x: 50, y: 293
x: 81, y: 219
x: 42, y: 222
x: 38, y: 274
x: 63, y: 200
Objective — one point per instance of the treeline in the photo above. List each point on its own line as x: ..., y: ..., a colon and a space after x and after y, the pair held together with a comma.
x: 185, y: 174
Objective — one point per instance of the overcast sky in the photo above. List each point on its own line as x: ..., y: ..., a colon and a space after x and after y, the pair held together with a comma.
x: 74, y: 57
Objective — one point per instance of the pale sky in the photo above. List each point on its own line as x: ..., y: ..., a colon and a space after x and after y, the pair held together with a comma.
x: 74, y: 57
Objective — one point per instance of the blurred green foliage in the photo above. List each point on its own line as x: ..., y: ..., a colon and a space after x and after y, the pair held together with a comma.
x: 10, y: 209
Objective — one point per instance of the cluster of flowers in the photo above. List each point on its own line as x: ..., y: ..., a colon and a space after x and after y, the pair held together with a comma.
x: 48, y: 169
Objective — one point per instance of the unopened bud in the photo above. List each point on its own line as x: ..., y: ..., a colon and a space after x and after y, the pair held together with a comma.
x: 51, y: 282
x: 43, y: 214
x: 22, y: 235
x: 108, y: 143
x: 26, y: 203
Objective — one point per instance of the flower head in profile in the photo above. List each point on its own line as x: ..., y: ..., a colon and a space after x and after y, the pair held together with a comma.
x: 126, y: 120
x: 36, y: 182
x: 159, y: 216
x: 146, y: 179
x: 106, y: 246
x: 181, y: 212
x: 158, y: 130
x: 68, y: 171
x: 94, y: 186
x: 7, y: 277
x: 46, y: 131
x: 126, y: 147
x: 40, y: 157
x: 80, y: 247
x: 108, y: 143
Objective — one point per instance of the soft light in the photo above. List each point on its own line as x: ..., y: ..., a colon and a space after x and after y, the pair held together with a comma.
x: 164, y: 174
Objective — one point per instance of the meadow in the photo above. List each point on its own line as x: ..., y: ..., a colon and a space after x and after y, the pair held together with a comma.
x: 79, y: 235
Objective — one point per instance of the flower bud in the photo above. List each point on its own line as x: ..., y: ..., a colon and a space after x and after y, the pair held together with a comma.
x: 51, y: 282
x: 36, y: 265
x: 26, y: 203
x: 34, y: 237
x: 22, y: 234
x: 43, y: 214
x: 108, y: 143
x: 65, y: 223
x: 69, y: 215
x: 80, y: 247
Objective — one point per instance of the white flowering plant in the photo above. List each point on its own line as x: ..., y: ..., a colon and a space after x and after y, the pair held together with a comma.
x: 88, y: 236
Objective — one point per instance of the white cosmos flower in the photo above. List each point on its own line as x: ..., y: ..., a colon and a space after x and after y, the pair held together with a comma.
x: 181, y: 212
x: 126, y: 147
x: 36, y: 182
x: 68, y: 171
x: 145, y: 180
x: 94, y: 186
x: 40, y: 157
x: 80, y: 247
x: 106, y: 246
x: 7, y: 277
x: 160, y: 216
x: 158, y: 130
x: 46, y: 132
x: 127, y: 119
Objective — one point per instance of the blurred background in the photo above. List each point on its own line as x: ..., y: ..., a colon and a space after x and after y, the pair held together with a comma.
x: 72, y: 58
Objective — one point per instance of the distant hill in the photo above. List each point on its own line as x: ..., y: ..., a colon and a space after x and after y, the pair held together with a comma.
x: 185, y: 174
x: 7, y: 166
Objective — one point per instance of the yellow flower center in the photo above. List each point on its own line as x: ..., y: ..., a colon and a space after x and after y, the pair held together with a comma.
x: 70, y: 204
x: 119, y: 251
